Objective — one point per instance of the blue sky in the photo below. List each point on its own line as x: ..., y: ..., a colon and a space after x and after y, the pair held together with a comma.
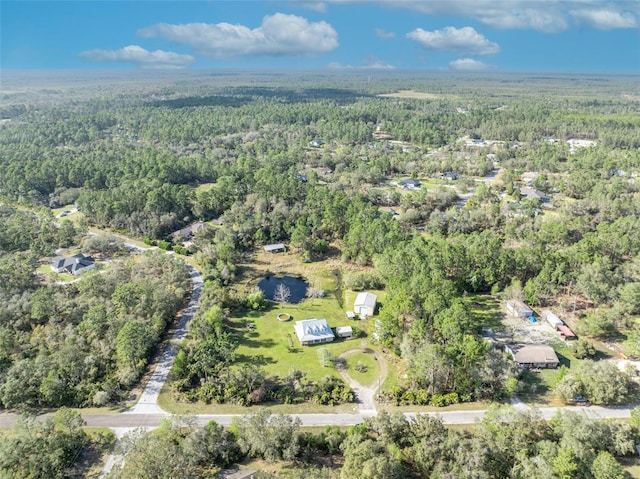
x: 465, y: 35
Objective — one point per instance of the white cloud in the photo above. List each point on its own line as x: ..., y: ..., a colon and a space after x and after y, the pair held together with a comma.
x: 468, y: 65
x: 384, y: 34
x: 451, y: 39
x: 540, y: 15
x: 605, y: 19
x: 320, y: 7
x: 279, y: 34
x: 139, y: 56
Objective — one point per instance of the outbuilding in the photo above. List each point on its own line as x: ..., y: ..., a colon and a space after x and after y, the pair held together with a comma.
x: 365, y: 304
x: 518, y: 308
x: 274, y: 248
x: 344, y: 331
x: 552, y: 319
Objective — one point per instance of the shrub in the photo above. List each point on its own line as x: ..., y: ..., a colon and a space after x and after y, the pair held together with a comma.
x: 360, y: 367
x: 165, y: 245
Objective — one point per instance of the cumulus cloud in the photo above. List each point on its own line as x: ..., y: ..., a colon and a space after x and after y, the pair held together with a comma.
x: 468, y: 65
x: 279, y: 34
x: 605, y: 19
x: 384, y: 34
x: 139, y: 56
x: 544, y: 16
x: 451, y: 39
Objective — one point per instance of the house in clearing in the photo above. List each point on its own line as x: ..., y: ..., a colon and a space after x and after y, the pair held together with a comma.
x: 313, y: 331
x: 534, y: 356
x: 529, y: 193
x: 410, y: 184
x: 274, y: 248
x: 365, y: 304
x: 518, y: 308
x: 189, y: 232
x: 76, y: 264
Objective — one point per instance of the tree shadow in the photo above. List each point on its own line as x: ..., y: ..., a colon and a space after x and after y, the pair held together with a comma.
x: 257, y: 359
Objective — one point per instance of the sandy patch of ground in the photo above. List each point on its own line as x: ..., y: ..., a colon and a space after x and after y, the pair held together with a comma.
x: 520, y: 330
x: 411, y: 94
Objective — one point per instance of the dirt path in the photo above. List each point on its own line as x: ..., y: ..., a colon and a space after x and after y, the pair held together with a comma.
x: 366, y: 395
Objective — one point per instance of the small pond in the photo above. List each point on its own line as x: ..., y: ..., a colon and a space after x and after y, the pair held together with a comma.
x: 296, y: 287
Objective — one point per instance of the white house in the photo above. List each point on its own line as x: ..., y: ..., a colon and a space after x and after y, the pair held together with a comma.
x: 365, y: 304
x: 313, y: 331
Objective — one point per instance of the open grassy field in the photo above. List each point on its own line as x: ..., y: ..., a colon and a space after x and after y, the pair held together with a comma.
x: 363, y: 368
x: 274, y: 346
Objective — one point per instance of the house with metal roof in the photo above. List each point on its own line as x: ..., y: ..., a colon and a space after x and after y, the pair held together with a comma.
x: 313, y: 331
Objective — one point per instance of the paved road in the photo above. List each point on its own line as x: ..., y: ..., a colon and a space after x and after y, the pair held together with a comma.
x: 146, y: 420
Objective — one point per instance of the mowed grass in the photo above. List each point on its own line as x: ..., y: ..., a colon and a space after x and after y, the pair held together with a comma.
x: 369, y: 372
x: 274, y: 346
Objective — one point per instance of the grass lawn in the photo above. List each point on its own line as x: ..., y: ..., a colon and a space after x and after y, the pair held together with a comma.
x: 45, y: 270
x: 539, y: 387
x: 370, y: 371
x: 274, y: 345
x: 486, y: 310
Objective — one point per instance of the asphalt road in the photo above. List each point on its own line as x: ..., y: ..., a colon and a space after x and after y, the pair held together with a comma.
x: 133, y: 420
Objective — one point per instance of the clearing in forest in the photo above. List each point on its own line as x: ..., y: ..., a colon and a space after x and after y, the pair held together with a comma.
x: 419, y: 95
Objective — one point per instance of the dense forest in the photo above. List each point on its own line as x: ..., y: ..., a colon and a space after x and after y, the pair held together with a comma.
x: 507, y: 444
x: 318, y: 164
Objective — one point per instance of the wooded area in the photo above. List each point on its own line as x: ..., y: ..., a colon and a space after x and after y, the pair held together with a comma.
x: 524, y: 187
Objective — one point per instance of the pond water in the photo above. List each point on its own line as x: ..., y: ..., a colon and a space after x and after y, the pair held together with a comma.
x: 296, y: 287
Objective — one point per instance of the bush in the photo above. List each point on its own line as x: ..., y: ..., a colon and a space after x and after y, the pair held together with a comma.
x: 360, y: 367
x: 165, y: 245
x: 256, y: 301
x: 181, y: 250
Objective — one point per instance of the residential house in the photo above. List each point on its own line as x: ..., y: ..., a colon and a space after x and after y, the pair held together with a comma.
x: 529, y: 193
x: 76, y: 264
x: 188, y: 232
x: 530, y: 356
x: 274, y: 248
x: 410, y: 184
x: 313, y: 331
x: 365, y: 304
x: 450, y: 175
x: 518, y: 308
